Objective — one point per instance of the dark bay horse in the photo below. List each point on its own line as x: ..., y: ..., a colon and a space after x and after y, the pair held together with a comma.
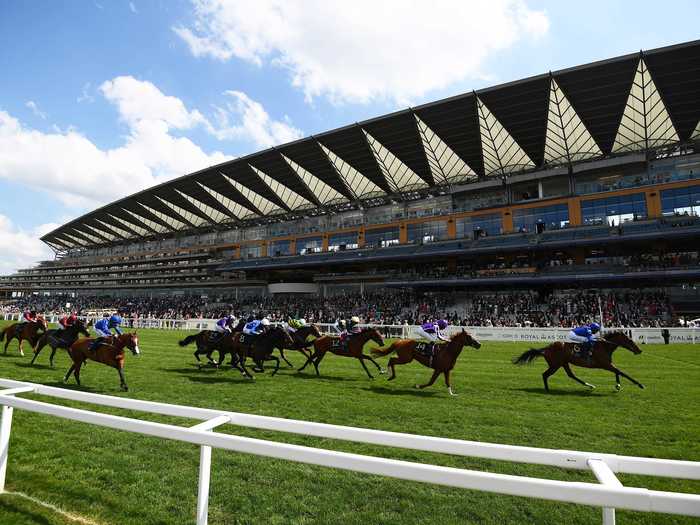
x: 562, y: 355
x: 59, y: 339
x: 352, y: 348
x: 259, y: 347
x: 207, y: 342
x: 110, y: 353
x: 442, y: 359
x: 30, y: 331
x: 301, y: 342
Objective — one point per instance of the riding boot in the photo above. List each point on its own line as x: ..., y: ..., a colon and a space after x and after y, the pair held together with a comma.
x: 96, y: 343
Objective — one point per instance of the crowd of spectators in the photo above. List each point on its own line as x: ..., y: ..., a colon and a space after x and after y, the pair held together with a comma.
x: 631, y: 308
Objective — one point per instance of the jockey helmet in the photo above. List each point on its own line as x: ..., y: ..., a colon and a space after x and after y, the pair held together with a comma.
x: 265, y: 321
x: 302, y: 322
x: 595, y: 327
x: 355, y: 319
x: 442, y: 324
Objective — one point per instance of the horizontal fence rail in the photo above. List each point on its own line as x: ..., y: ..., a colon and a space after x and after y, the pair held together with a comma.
x: 483, y: 333
x: 609, y: 494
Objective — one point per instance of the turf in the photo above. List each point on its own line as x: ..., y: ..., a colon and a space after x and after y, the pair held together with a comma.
x: 121, y: 478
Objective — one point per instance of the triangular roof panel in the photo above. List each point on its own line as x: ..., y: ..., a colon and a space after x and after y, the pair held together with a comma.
x: 401, y: 178
x: 289, y: 197
x: 235, y: 209
x: 265, y: 206
x: 502, y: 154
x: 645, y: 122
x: 446, y: 166
x: 567, y: 138
x: 324, y: 193
x: 361, y: 187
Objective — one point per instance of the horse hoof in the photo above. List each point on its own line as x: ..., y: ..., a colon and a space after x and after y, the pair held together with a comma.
x: 618, y: 387
x: 641, y: 386
x: 418, y: 386
x: 382, y: 372
x: 592, y: 387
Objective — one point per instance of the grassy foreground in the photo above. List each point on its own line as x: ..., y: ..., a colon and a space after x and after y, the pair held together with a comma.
x: 112, y: 477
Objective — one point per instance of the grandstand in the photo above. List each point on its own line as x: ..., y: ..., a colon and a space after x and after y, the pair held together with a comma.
x: 588, y: 176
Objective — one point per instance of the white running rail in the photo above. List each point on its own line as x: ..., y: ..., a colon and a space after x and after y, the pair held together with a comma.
x: 608, y: 495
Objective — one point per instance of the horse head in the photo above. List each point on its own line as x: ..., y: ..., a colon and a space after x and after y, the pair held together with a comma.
x: 372, y: 334
x: 131, y: 341
x: 620, y: 338
x: 314, y: 330
x: 41, y: 321
x: 464, y: 338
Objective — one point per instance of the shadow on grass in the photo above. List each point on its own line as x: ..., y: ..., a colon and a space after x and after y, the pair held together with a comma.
x: 312, y: 376
x: 401, y: 391
x: 80, y: 388
x: 238, y: 379
x: 194, y: 368
x: 585, y: 392
x: 37, y: 366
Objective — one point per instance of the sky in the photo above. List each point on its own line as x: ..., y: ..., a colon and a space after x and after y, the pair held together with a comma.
x: 100, y: 99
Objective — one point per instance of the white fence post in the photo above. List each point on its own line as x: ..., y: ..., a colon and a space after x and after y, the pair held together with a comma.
x: 5, y: 428
x: 205, y: 469
x: 607, y: 477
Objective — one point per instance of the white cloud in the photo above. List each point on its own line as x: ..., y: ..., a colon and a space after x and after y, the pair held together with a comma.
x: 132, y: 7
x: 85, y: 95
x: 72, y: 168
x: 22, y: 248
x: 363, y: 50
x: 35, y: 109
x: 254, y: 123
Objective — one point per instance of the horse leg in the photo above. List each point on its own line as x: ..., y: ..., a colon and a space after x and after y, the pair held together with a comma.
x: 37, y: 351
x: 53, y: 354
x: 362, y: 362
x: 309, y: 359
x: 70, y: 371
x: 277, y: 363
x: 241, y: 362
x: 76, y: 371
x: 122, y: 381
x: 401, y: 359
x: 619, y: 373
x: 436, y: 374
x: 318, y: 360
x: 570, y: 373
x: 379, y: 368
x: 289, y: 364
x: 21, y: 350
x: 447, y: 382
x: 547, y: 373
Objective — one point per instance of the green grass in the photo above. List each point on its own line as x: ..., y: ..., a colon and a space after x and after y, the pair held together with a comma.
x: 121, y: 478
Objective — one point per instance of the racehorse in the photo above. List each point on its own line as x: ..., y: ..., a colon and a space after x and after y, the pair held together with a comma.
x: 441, y: 358
x: 59, y: 339
x: 351, y: 348
x: 300, y: 343
x: 208, y: 341
x: 110, y: 353
x: 24, y: 332
x: 559, y: 354
x: 241, y: 346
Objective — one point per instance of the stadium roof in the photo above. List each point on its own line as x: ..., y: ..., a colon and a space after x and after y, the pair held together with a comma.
x: 639, y: 102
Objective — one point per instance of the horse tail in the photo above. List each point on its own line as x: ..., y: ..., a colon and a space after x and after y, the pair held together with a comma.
x: 382, y: 351
x: 187, y: 340
x: 529, y: 356
x: 2, y: 334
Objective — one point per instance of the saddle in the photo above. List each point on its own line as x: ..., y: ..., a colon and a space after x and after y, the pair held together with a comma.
x: 341, y: 345
x: 428, y: 349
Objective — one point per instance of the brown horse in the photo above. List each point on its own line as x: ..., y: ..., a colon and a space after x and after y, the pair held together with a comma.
x: 301, y: 342
x: 442, y: 358
x: 559, y: 354
x: 352, y: 348
x: 110, y: 353
x: 59, y: 339
x: 259, y: 347
x: 24, y: 332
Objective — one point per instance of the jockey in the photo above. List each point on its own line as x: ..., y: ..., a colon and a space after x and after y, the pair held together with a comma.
x: 29, y: 316
x: 292, y: 325
x: 432, y: 331
x: 256, y: 326
x: 103, y: 328
x: 66, y: 321
x: 585, y: 336
x: 225, y: 325
x: 348, y: 328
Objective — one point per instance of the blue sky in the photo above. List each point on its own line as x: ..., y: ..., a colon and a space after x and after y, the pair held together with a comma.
x: 101, y: 98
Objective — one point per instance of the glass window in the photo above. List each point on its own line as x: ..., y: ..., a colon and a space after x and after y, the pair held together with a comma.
x: 279, y: 248
x: 673, y: 169
x: 491, y: 224
x: 251, y: 251
x: 342, y: 241
x: 309, y: 245
x: 475, y: 200
x: 551, y: 217
x: 614, y: 210
x: 382, y: 237
x: 429, y: 231
x: 597, y: 183
x: 681, y: 201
